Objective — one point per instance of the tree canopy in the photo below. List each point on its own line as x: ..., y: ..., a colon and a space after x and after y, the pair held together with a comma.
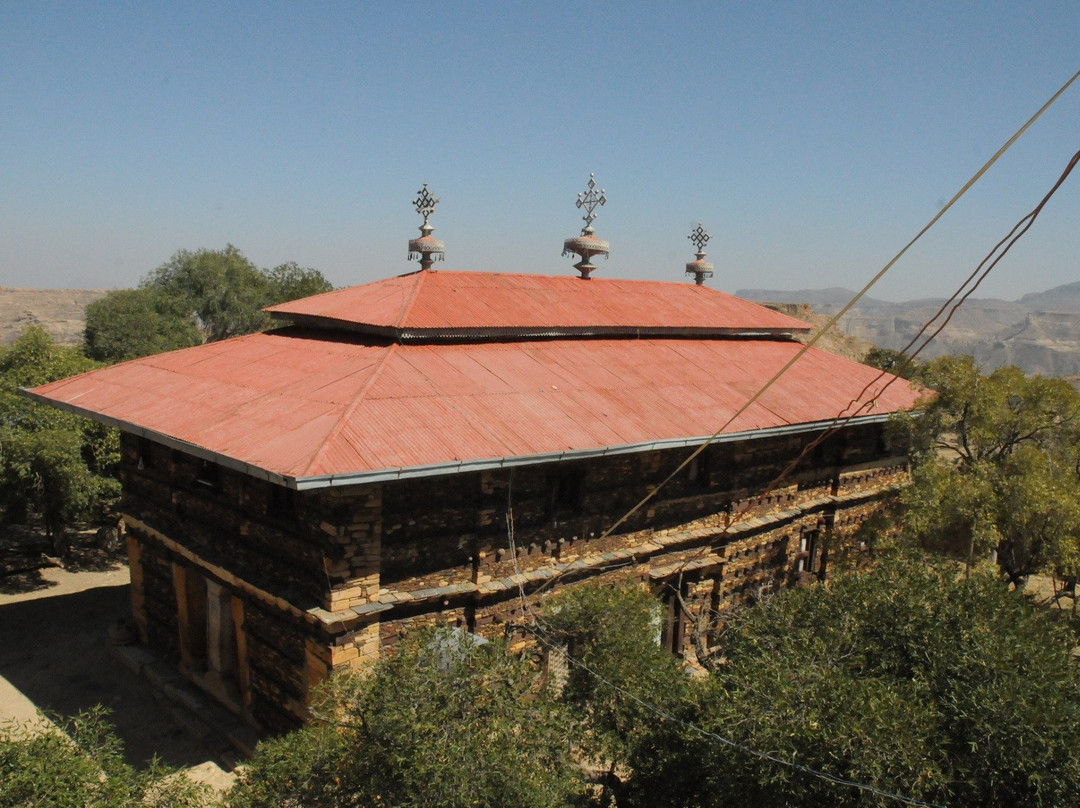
x: 196, y: 296
x: 610, y: 632
x: 996, y: 460
x: 53, y: 462
x: 901, y: 678
x: 84, y: 768
x: 446, y: 721
x: 129, y: 323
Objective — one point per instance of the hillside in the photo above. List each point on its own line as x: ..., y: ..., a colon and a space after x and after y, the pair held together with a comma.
x: 58, y: 311
x: 1039, y: 333
x: 836, y: 341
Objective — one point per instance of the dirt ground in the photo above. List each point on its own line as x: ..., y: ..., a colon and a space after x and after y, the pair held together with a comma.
x: 54, y: 658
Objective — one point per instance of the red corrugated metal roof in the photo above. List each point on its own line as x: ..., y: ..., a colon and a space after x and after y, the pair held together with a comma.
x: 427, y: 303
x: 301, y: 404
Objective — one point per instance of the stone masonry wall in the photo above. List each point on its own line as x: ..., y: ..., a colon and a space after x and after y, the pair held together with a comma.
x: 460, y: 550
x: 333, y: 578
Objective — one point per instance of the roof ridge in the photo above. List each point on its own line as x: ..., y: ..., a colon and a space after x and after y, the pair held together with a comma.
x: 346, y: 414
x: 408, y: 304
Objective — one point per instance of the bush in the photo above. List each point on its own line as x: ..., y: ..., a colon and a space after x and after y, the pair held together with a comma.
x: 904, y: 678
x: 445, y: 722
x: 85, y: 768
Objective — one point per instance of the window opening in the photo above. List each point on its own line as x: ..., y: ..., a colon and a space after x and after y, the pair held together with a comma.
x: 208, y: 475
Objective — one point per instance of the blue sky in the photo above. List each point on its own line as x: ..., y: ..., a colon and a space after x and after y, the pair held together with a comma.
x: 812, y: 139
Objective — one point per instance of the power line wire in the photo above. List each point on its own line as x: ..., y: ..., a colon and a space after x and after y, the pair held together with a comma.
x: 847, y: 307
x: 842, y: 419
x: 546, y: 640
x: 956, y: 300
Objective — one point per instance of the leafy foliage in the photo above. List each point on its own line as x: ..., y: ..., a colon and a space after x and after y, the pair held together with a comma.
x: 52, y: 462
x: 892, y: 361
x: 85, y: 768
x: 129, y: 323
x: 196, y: 296
x: 902, y: 678
x: 996, y: 461
x: 610, y: 631
x: 445, y: 722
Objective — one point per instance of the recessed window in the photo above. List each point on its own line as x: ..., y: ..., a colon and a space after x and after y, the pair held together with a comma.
x: 807, y: 547
x: 144, y: 451
x: 564, y: 485
x: 208, y: 475
x: 699, y: 472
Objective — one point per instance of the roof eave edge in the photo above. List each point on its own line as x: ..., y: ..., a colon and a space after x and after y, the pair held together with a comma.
x: 158, y: 437
x: 400, y: 334
x: 488, y: 464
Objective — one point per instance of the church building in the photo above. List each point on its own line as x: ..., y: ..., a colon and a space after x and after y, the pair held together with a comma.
x: 444, y: 446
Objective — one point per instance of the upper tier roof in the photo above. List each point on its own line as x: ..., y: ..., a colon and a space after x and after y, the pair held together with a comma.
x: 440, y: 306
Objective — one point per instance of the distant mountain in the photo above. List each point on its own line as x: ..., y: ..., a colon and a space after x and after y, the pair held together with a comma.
x: 1060, y: 298
x: 1039, y: 333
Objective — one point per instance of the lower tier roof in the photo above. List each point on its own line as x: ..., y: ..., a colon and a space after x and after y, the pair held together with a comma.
x: 312, y: 409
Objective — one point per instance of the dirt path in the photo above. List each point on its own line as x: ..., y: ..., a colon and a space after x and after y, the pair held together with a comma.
x: 54, y: 657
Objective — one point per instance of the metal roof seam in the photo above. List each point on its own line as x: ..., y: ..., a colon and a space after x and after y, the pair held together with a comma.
x: 408, y: 304
x: 475, y: 423
x: 343, y: 421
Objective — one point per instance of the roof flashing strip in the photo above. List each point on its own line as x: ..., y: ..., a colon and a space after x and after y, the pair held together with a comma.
x: 479, y: 333
x: 487, y: 464
x: 438, y: 469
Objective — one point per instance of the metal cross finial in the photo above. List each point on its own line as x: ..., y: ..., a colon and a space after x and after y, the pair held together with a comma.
x: 590, y: 200
x: 699, y: 238
x: 425, y: 202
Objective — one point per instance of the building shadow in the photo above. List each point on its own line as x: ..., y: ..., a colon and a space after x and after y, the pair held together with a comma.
x: 55, y: 651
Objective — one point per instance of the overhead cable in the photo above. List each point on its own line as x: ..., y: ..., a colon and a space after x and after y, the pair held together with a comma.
x: 847, y: 307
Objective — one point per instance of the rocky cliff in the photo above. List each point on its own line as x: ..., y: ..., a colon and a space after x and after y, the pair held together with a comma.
x: 1039, y: 333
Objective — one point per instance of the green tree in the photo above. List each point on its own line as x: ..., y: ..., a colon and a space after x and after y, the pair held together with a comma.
x: 902, y: 678
x: 85, y: 768
x: 995, y: 468
x: 444, y: 722
x: 290, y: 281
x: 892, y: 361
x: 129, y: 323
x: 616, y: 667
x: 221, y: 289
x: 52, y: 462
x: 196, y: 296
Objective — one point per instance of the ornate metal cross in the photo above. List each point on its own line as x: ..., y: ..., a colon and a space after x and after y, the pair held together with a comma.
x: 590, y: 200
x: 699, y: 238
x: 425, y: 202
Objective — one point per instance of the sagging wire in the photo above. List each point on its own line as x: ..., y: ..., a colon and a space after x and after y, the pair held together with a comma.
x: 842, y: 419
x: 847, y: 307
x: 955, y: 301
x: 545, y: 639
x: 510, y: 540
x: 989, y: 262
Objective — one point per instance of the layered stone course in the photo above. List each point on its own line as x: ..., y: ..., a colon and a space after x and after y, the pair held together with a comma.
x: 303, y: 583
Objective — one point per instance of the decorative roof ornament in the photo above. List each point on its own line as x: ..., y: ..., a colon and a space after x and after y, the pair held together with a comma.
x: 587, y: 245
x: 700, y: 269
x: 426, y: 248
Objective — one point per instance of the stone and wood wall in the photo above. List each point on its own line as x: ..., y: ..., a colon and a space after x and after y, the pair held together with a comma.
x: 257, y: 592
